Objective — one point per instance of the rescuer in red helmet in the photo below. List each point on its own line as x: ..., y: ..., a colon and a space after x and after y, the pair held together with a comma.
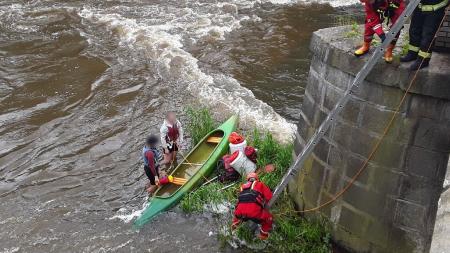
x: 376, y: 12
x: 251, y: 205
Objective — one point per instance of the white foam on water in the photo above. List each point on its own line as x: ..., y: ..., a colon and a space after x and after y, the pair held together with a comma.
x: 223, y: 93
x: 128, y: 215
x: 11, y: 250
x: 130, y: 90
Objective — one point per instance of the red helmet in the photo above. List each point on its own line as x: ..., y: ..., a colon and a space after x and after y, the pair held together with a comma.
x: 252, y: 175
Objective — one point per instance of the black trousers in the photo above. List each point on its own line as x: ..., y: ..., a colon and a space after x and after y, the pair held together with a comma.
x: 424, y: 26
x: 150, y: 175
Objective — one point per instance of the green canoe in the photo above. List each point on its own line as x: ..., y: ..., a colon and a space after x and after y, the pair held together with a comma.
x: 196, y: 166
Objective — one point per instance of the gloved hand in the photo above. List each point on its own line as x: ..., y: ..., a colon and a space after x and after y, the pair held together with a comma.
x: 382, y: 37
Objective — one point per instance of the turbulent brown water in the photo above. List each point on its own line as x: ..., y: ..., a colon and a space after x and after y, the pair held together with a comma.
x: 83, y: 82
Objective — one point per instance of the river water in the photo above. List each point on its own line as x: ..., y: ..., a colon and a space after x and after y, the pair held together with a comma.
x: 83, y: 82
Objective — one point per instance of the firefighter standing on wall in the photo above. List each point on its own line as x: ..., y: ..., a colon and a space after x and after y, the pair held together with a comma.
x: 425, y: 22
x: 376, y: 12
x: 251, y: 205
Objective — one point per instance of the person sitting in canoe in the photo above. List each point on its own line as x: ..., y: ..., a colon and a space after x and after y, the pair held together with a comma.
x: 152, y: 157
x: 171, y: 137
x: 251, y: 205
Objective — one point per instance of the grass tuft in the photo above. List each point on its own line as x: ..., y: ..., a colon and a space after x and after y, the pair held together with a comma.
x: 354, y: 31
x: 200, y: 123
x: 271, y: 152
x: 208, y: 195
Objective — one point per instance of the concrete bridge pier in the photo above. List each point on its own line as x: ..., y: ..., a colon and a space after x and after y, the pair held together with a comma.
x: 392, y: 206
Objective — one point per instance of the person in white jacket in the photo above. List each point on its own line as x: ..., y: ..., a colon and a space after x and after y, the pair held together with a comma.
x: 171, y: 137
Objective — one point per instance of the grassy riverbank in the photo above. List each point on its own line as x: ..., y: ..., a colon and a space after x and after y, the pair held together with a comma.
x: 291, y: 232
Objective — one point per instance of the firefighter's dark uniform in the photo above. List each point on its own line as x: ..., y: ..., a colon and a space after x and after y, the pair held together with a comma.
x: 425, y: 22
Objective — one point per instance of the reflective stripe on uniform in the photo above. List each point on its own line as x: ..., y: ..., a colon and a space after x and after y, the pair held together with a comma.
x: 433, y: 7
x: 413, y: 48
x: 424, y: 54
x: 377, y: 27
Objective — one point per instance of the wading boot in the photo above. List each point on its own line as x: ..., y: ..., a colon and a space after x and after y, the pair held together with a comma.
x: 410, y: 56
x: 388, y: 54
x: 364, y: 49
x: 420, y: 63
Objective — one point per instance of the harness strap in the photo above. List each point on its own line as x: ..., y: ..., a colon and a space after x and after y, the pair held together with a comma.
x: 249, y: 195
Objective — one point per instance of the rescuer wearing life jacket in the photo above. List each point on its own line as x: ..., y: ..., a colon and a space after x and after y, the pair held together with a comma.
x: 252, y: 205
x: 376, y: 12
x: 425, y: 22
x: 171, y: 137
x: 151, y: 156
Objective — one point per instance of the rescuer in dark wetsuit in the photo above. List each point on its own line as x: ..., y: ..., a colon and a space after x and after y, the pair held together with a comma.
x: 425, y: 22
x: 151, y: 157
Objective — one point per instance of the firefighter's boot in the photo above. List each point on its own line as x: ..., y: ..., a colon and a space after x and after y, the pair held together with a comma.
x: 420, y: 63
x: 388, y: 54
x: 364, y: 49
x: 410, y: 56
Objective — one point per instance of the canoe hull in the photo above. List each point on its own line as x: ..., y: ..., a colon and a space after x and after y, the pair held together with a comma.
x: 161, y: 203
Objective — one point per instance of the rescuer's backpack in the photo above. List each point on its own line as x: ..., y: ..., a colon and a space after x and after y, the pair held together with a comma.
x: 249, y: 195
x: 225, y: 172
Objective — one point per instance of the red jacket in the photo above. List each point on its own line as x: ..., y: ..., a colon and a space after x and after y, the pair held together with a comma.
x: 373, y: 11
x: 253, y: 209
x: 373, y: 20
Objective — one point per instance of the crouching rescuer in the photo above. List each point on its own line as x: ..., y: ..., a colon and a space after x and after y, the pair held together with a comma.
x: 376, y: 12
x: 252, y: 205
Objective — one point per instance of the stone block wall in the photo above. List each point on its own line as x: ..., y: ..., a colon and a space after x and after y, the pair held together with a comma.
x: 442, y: 42
x: 392, y: 205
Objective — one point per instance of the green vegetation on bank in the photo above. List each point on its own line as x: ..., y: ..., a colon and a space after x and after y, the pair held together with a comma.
x: 291, y: 233
x: 347, y: 20
x: 354, y: 31
x: 200, y: 123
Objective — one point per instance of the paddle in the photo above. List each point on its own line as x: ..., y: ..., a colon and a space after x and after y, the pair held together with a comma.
x: 209, y: 181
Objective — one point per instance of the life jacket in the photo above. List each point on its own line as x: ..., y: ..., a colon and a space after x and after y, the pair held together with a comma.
x: 380, y: 7
x: 157, y: 156
x: 249, y: 195
x: 386, y: 9
x: 172, y: 133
